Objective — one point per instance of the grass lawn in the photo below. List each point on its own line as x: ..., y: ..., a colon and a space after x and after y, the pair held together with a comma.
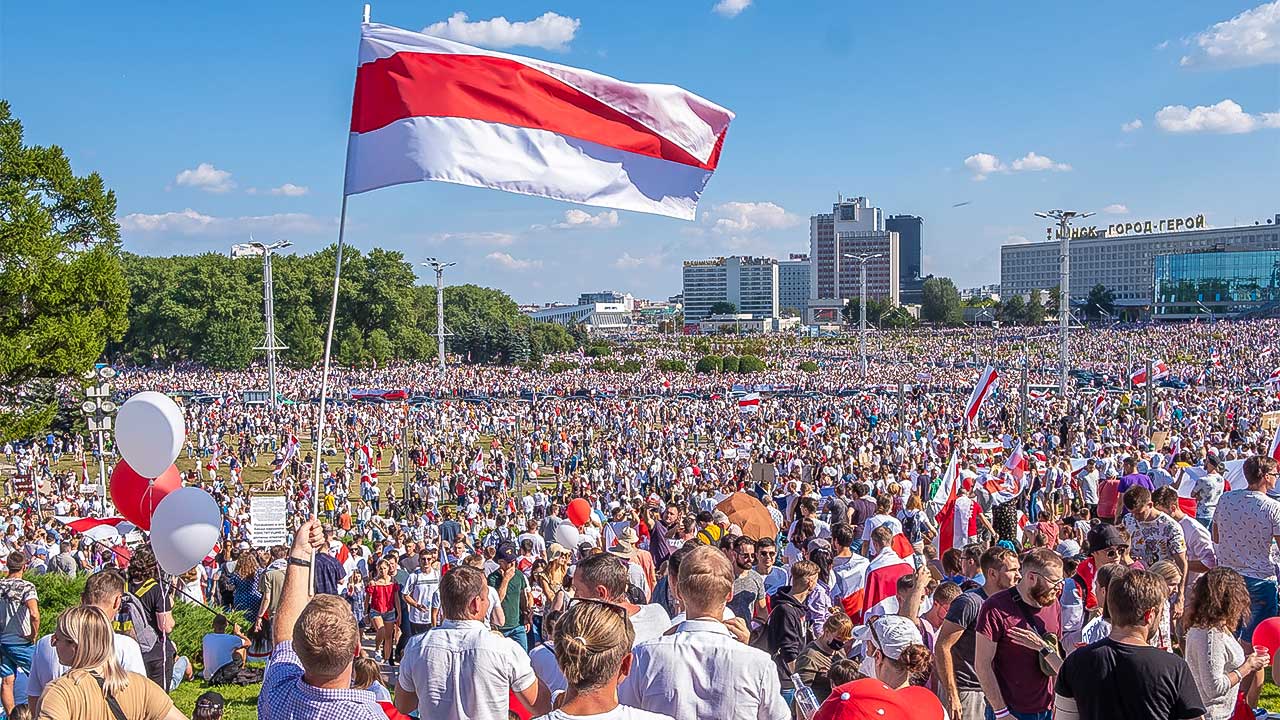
x: 242, y: 702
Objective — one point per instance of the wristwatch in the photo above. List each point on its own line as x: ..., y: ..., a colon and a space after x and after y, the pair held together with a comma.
x: 299, y: 562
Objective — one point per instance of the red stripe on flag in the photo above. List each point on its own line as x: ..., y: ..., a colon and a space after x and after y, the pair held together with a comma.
x: 499, y: 90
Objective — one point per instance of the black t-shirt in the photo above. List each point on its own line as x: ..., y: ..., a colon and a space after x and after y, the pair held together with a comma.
x: 1114, y: 681
x: 964, y: 612
x: 155, y: 600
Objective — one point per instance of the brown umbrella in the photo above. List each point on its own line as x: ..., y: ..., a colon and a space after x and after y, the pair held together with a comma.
x: 749, y: 514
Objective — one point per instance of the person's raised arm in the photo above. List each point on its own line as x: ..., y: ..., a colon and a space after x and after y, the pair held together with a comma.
x: 297, y: 580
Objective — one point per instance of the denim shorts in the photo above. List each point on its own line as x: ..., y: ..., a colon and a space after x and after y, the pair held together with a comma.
x: 387, y: 617
x: 15, y: 656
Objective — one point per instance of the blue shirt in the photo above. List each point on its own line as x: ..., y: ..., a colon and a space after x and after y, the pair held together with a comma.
x: 286, y: 696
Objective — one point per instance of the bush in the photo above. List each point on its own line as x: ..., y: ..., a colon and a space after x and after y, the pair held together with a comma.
x: 596, y: 351
x: 559, y: 366
x: 665, y: 365
x: 709, y: 364
x: 729, y: 364
x: 605, y: 365
x: 809, y: 366
x: 631, y: 366
x: 750, y: 364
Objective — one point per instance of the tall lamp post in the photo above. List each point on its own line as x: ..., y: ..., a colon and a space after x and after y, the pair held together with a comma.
x: 862, y: 304
x: 97, y: 409
x: 1064, y: 218
x: 1213, y: 317
x: 439, y: 266
x: 271, y: 344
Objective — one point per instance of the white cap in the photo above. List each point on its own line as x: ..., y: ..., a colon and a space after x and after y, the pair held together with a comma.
x: 892, y: 634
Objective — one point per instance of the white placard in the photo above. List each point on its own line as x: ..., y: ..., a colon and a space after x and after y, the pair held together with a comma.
x: 267, y: 513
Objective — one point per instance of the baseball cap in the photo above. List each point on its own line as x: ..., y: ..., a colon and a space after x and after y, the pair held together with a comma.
x: 209, y: 705
x: 870, y: 699
x: 892, y: 634
x: 1102, y: 536
x: 506, y: 553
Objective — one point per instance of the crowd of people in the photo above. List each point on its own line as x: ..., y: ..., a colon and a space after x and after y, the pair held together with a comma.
x: 849, y: 547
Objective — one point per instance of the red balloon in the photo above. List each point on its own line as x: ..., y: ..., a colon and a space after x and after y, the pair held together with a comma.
x: 579, y: 511
x: 126, y: 489
x: 168, y: 481
x: 1267, y: 634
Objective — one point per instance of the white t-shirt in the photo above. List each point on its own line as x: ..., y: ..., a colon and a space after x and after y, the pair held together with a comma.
x: 622, y: 712
x: 218, y: 650
x: 45, y: 667
x: 650, y: 621
x: 875, y: 521
x: 543, y: 659
x: 424, y: 587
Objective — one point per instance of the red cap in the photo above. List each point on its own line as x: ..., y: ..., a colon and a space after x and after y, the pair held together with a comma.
x: 870, y: 699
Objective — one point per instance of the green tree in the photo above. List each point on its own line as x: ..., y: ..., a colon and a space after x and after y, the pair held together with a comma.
x: 941, y: 301
x: 1034, y: 313
x: 723, y: 308
x: 1100, y: 300
x: 750, y: 364
x: 63, y: 293
x: 897, y: 318
x: 876, y: 310
x: 549, y: 338
x: 709, y: 364
x: 1014, y: 310
x: 729, y: 364
x: 378, y: 346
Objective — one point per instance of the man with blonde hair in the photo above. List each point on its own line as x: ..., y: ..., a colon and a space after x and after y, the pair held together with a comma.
x: 701, y: 670
x: 315, y: 643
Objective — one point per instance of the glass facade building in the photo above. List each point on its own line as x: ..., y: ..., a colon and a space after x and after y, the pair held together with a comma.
x: 1222, y: 283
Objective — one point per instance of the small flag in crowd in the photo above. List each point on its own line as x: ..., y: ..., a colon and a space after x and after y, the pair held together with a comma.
x: 1158, y: 370
x: 749, y: 403
x: 1273, y: 379
x: 986, y: 383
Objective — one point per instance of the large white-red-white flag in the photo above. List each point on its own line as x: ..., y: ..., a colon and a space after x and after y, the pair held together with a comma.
x: 1159, y: 369
x: 426, y: 108
x: 749, y: 403
x: 986, y: 383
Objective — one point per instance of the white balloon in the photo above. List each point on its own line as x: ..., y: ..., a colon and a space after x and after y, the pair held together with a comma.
x: 184, y: 528
x: 150, y: 433
x: 567, y: 535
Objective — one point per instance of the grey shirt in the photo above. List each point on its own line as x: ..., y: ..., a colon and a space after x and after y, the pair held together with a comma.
x: 748, y: 589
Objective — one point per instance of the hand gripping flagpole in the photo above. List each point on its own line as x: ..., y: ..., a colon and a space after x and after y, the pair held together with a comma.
x: 328, y: 347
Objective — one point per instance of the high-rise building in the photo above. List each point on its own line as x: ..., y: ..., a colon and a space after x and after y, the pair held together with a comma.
x: 793, y: 283
x: 1121, y: 257
x: 910, y: 229
x: 856, y: 228
x: 750, y: 283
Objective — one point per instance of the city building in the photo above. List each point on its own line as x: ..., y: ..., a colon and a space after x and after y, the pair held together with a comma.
x: 1121, y: 256
x: 982, y: 292
x: 750, y: 283
x: 852, y: 227
x: 910, y: 229
x: 1217, y: 284
x: 608, y: 296
x: 743, y: 324
x: 793, y: 283
x: 594, y: 315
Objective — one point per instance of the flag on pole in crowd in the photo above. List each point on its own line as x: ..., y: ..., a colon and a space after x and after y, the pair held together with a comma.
x: 1037, y: 394
x: 1215, y: 358
x: 1012, y: 478
x: 749, y: 403
x: 426, y: 108
x: 477, y: 463
x: 950, y: 477
x: 1273, y: 380
x: 986, y: 383
x: 291, y: 448
x: 1273, y: 451
x: 1158, y: 370
x: 818, y: 427
x: 368, y: 468
x: 1099, y: 402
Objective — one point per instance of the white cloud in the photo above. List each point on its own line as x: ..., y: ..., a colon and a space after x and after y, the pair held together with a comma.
x: 1116, y: 209
x: 500, y: 239
x: 731, y: 8
x: 1250, y: 38
x: 627, y: 261
x: 290, y: 190
x: 191, y: 222
x: 1162, y: 45
x: 1017, y: 240
x: 985, y: 164
x: 206, y: 177
x: 1224, y: 117
x: 511, y: 263
x: 549, y: 31
x: 582, y: 219
x: 747, y: 217
x: 1134, y: 124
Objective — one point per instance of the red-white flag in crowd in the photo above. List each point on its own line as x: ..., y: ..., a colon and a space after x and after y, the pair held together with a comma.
x: 1215, y: 358
x: 368, y: 468
x: 882, y: 578
x: 291, y: 448
x: 749, y: 403
x: 1273, y: 379
x: 1099, y: 402
x: 818, y: 427
x: 986, y: 383
x: 444, y: 558
x: 1012, y: 480
x: 1274, y: 450
x: 426, y: 108
x: 477, y: 464
x: 1158, y: 370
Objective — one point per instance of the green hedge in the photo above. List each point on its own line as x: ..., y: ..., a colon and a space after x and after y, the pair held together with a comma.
x: 729, y: 364
x: 750, y: 364
x: 809, y: 366
x: 558, y: 366
x: 709, y: 364
x: 665, y: 365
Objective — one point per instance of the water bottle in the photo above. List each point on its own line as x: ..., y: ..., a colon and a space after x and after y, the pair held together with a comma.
x: 806, y: 702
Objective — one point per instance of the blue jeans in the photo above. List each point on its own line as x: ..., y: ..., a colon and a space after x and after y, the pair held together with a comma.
x: 1262, y: 604
x: 179, y: 672
x: 518, y: 634
x: 1046, y: 715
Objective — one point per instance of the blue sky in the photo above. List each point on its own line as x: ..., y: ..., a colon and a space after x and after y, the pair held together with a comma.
x: 214, y: 120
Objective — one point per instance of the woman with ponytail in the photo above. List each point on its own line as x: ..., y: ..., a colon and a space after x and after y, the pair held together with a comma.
x: 896, y: 652
x: 593, y: 646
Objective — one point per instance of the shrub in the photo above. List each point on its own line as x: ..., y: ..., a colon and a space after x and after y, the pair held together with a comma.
x: 729, y: 364
x: 596, y: 351
x: 665, y: 365
x: 558, y: 366
x: 709, y: 364
x: 809, y: 366
x: 750, y: 364
x: 605, y: 365
x: 631, y: 366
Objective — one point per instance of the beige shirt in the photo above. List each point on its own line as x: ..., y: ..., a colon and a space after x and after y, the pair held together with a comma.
x: 76, y: 696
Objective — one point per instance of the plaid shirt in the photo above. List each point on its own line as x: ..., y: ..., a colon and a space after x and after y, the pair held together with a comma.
x: 285, y: 696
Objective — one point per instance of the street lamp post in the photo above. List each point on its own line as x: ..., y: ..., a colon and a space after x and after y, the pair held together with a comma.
x: 862, y: 305
x: 1064, y: 218
x: 439, y: 266
x: 272, y: 343
x: 1213, y: 318
x: 97, y: 409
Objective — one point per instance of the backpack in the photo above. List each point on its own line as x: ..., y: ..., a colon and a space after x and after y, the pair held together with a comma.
x: 911, y: 527
x: 135, y: 620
